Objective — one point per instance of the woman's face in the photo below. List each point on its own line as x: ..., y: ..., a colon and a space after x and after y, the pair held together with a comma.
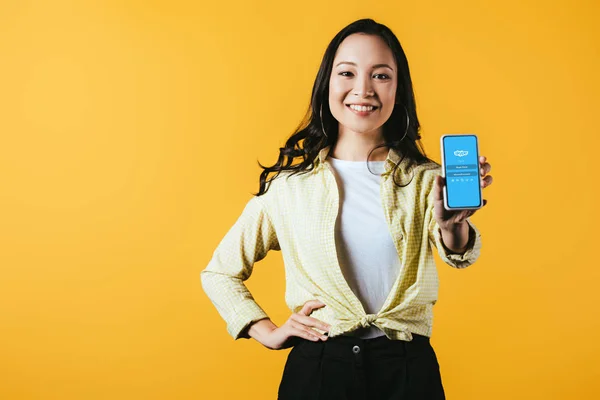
x: 364, y: 72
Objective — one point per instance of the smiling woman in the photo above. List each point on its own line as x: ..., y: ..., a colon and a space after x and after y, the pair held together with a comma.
x: 360, y: 273
x: 364, y: 65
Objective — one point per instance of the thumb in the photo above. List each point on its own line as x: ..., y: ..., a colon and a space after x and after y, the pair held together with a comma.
x: 310, y: 305
x: 437, y: 188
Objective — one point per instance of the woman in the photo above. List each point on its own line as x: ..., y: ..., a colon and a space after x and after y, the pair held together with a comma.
x: 356, y: 220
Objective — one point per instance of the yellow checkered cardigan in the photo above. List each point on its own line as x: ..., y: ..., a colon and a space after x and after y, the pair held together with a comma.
x: 297, y: 217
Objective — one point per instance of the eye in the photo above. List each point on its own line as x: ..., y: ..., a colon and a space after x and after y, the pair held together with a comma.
x: 347, y: 72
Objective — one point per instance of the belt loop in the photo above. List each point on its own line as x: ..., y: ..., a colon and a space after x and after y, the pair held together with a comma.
x: 406, y: 345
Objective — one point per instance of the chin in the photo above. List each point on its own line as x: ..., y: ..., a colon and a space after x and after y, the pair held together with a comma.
x: 361, y: 130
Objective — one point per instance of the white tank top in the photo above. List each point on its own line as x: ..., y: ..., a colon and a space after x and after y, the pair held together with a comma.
x: 366, y: 252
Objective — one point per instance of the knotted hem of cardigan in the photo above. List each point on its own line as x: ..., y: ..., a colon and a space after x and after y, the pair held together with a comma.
x: 346, y: 326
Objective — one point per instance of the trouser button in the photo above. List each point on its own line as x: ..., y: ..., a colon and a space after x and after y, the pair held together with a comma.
x: 356, y: 349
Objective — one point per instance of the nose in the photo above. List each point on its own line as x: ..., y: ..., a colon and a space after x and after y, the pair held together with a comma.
x: 363, y: 87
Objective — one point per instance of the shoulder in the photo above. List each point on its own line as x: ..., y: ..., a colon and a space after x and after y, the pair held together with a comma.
x: 426, y: 172
x: 279, y: 186
x: 424, y: 180
x: 288, y: 179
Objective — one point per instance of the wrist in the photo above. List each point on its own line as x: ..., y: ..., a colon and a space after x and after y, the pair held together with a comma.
x: 453, y: 227
x: 455, y: 237
x: 259, y: 329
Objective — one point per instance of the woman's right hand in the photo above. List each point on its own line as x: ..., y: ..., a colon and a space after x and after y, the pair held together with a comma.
x: 298, y: 325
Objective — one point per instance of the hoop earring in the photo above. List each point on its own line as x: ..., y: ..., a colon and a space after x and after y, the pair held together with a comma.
x: 407, y: 122
x: 321, y: 120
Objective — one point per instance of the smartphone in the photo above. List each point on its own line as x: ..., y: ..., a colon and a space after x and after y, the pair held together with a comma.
x: 460, y: 167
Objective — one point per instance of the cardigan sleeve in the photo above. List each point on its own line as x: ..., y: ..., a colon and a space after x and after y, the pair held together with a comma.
x: 246, y: 242
x: 455, y: 260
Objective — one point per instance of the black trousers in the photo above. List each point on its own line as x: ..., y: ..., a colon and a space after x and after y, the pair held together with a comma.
x: 350, y: 368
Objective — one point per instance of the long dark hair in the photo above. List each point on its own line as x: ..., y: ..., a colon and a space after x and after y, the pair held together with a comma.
x: 310, y: 132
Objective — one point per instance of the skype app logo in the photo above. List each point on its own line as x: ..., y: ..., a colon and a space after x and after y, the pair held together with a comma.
x: 462, y: 170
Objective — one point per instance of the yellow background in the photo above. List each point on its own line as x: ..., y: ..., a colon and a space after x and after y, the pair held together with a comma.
x: 130, y: 138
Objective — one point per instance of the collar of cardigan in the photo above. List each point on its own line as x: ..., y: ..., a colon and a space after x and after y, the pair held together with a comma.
x: 392, y: 159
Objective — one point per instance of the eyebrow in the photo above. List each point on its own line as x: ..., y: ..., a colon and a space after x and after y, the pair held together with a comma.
x: 374, y: 66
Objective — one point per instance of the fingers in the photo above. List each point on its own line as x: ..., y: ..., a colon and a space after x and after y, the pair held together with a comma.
x: 487, y: 181
x: 484, y: 167
x: 310, y: 321
x: 305, y: 332
x: 302, y: 324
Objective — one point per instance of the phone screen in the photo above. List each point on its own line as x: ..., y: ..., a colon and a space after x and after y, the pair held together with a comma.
x: 462, y: 171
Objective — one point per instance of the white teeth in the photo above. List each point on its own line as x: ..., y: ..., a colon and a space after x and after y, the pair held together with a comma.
x: 361, y: 108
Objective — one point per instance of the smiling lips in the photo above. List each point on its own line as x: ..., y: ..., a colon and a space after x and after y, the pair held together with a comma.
x: 361, y: 110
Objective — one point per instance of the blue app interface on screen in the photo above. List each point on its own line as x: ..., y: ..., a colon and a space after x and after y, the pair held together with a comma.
x: 462, y: 171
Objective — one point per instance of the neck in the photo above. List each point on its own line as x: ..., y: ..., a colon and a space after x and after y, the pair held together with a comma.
x: 352, y: 146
